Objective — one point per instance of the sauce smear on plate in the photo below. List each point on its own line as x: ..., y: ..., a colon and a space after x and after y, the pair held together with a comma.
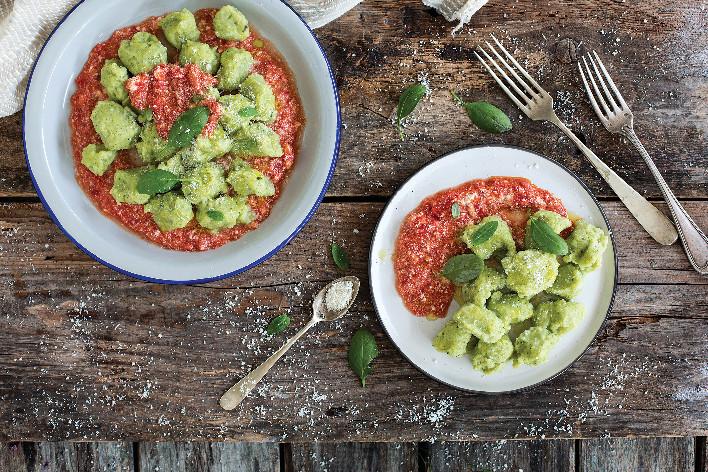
x: 429, y: 234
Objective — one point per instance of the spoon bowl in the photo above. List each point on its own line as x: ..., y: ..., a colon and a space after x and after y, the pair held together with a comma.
x: 319, y: 303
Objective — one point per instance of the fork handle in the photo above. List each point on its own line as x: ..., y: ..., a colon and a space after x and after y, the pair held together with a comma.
x: 693, y: 239
x: 651, y: 219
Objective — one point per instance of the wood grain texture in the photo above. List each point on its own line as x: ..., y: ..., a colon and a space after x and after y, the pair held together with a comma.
x: 88, y: 354
x: 66, y: 457
x: 640, y: 455
x: 209, y: 457
x: 354, y: 457
x: 536, y: 456
x: 655, y: 51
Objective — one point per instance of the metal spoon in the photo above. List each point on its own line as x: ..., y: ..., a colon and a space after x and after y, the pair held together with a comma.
x: 236, y: 394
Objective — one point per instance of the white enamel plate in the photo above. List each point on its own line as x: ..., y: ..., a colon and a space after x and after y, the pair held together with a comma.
x: 48, y: 141
x: 414, y: 335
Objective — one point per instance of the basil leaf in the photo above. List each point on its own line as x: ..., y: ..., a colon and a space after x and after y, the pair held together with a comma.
x: 407, y: 102
x: 157, y: 181
x: 546, y: 239
x: 278, y: 324
x: 483, y: 233
x: 485, y: 116
x: 362, y: 351
x: 455, y: 210
x: 248, y: 112
x: 188, y: 126
x: 215, y: 215
x: 463, y: 268
x: 340, y: 257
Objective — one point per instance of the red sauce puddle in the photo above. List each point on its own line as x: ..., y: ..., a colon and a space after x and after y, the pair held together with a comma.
x: 288, y: 125
x: 429, y: 234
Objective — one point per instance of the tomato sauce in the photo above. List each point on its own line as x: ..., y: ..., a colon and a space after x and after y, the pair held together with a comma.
x: 429, y: 234
x: 289, y: 124
x: 168, y: 91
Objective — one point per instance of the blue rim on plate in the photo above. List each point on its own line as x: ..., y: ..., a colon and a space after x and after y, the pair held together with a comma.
x: 335, y: 156
x: 599, y: 329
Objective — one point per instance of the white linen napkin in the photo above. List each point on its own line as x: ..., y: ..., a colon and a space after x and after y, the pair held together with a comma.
x: 26, y: 24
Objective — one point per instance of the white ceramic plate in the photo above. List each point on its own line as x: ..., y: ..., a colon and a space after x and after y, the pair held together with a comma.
x: 48, y: 141
x: 414, y: 335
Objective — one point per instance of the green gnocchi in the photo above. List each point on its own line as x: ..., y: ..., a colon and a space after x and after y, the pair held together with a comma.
x: 204, y: 183
x: 533, y: 345
x: 115, y: 124
x: 235, y: 66
x: 530, y: 272
x: 522, y: 300
x: 482, y: 323
x: 480, y: 289
x: 113, y: 78
x: 501, y: 240
x: 489, y: 357
x: 256, y: 89
x: 142, y: 53
x: 257, y: 139
x: 170, y: 211
x: 231, y: 24
x: 453, y: 339
x: 510, y: 308
x: 97, y: 158
x: 180, y: 27
x: 151, y: 147
x: 125, y: 186
x: 586, y: 245
x: 224, y: 212
x: 202, y: 55
x: 245, y: 180
x: 557, y: 223
x: 236, y: 111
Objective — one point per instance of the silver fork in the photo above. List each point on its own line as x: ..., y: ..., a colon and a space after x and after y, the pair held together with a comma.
x: 537, y: 104
x: 618, y: 119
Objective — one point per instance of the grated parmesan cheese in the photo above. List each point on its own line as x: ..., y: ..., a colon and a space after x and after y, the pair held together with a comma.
x: 339, y: 295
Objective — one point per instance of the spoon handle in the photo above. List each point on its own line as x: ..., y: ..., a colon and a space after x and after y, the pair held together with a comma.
x: 236, y: 394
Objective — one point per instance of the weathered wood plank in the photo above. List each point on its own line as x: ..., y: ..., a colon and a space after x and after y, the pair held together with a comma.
x: 88, y: 354
x: 536, y: 456
x: 642, y: 455
x: 209, y: 457
x: 66, y: 457
x: 380, y: 47
x: 35, y: 252
x: 354, y: 457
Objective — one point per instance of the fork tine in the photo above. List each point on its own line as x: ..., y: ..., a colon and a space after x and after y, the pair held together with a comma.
x: 590, y: 95
x: 599, y: 95
x: 611, y: 82
x: 522, y: 95
x: 513, y: 61
x: 501, y: 84
x: 530, y: 91
x: 608, y: 94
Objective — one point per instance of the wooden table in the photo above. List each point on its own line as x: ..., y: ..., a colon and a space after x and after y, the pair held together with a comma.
x: 88, y: 354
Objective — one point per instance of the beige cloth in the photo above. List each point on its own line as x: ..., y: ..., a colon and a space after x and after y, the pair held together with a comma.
x: 25, y: 25
x: 456, y: 10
